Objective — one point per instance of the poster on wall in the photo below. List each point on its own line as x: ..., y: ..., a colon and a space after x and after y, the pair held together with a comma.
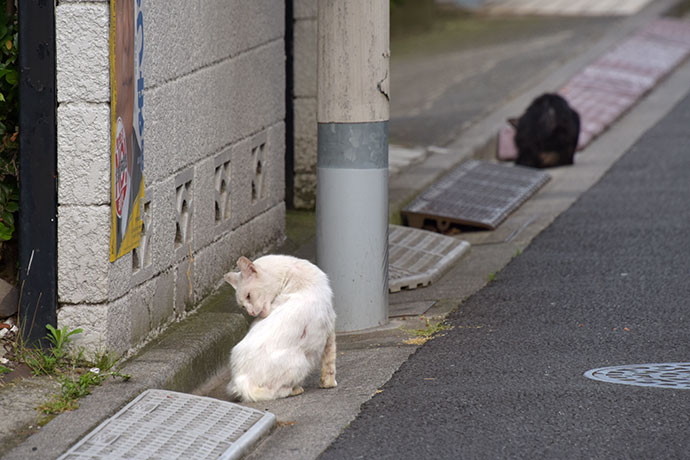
x: 126, y: 125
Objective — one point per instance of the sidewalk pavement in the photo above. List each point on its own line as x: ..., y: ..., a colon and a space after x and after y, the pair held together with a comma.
x: 191, y: 351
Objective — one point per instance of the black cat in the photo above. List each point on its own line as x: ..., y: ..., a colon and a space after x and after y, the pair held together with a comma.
x: 546, y: 134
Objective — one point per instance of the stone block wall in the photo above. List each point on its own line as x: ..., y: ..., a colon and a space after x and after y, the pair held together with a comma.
x: 304, y: 103
x: 214, y: 135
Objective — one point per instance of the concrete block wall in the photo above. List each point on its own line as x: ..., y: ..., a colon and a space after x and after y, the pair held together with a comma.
x: 214, y: 109
x: 304, y: 103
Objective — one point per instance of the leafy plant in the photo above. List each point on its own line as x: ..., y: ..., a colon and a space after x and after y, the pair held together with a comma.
x: 48, y: 361
x: 58, y: 338
x: 4, y: 370
x: 9, y: 124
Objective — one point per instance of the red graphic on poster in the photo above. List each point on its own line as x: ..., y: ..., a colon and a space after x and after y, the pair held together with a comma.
x: 121, y: 173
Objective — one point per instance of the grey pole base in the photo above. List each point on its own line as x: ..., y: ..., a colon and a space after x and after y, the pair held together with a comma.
x: 352, y: 243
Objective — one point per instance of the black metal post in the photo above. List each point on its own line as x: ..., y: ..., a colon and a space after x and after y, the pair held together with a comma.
x: 37, y: 169
x: 289, y: 106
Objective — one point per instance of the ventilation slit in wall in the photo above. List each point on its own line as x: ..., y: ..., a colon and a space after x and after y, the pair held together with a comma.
x: 182, y: 224
x: 258, y: 180
x: 222, y: 192
x: 147, y: 230
x: 141, y: 255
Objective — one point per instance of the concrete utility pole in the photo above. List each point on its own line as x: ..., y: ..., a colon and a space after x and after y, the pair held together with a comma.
x: 352, y: 189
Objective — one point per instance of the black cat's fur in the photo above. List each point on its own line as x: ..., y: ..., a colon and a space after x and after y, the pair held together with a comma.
x: 546, y: 134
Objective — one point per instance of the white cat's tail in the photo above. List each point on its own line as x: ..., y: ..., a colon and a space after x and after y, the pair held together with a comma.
x: 241, y: 388
x: 328, y: 363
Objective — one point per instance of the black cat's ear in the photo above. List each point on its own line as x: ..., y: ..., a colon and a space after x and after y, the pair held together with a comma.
x: 247, y: 267
x: 514, y: 122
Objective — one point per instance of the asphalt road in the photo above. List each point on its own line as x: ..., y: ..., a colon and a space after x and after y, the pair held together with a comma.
x: 445, y: 78
x: 606, y: 284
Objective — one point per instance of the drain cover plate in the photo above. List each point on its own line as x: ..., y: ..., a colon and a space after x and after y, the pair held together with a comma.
x: 169, y: 425
x: 476, y: 193
x: 661, y: 375
x: 399, y: 310
x: 417, y: 257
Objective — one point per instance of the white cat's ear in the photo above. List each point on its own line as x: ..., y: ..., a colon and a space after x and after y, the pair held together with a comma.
x: 247, y: 267
x: 233, y: 278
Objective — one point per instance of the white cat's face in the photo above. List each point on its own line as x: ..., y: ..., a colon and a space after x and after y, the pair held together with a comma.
x: 252, y: 290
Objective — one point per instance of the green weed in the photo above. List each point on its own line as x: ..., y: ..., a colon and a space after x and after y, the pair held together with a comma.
x: 58, y: 338
x: 74, y: 386
x: 430, y: 328
x: 425, y: 334
x: 47, y: 362
x: 76, y: 373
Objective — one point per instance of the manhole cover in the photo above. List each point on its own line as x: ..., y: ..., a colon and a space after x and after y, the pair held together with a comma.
x: 476, y: 193
x: 664, y: 375
x: 169, y: 425
x: 417, y: 257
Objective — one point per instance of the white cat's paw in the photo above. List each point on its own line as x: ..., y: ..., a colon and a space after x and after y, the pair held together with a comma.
x: 297, y: 390
x: 328, y: 382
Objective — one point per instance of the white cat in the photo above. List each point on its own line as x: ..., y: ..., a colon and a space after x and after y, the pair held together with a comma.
x: 295, y: 328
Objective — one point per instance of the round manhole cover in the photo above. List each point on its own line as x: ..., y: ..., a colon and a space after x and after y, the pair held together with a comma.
x: 661, y: 375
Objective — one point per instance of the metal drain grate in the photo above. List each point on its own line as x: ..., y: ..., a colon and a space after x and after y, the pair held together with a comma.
x: 169, y: 425
x: 476, y: 193
x: 417, y: 257
x: 664, y: 375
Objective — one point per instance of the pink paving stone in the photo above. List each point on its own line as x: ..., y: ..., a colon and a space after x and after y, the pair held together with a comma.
x: 670, y: 29
x: 506, y: 145
x: 592, y: 127
x: 612, y: 80
x: 653, y: 56
x: 597, y: 109
x: 584, y: 139
x: 597, y: 104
